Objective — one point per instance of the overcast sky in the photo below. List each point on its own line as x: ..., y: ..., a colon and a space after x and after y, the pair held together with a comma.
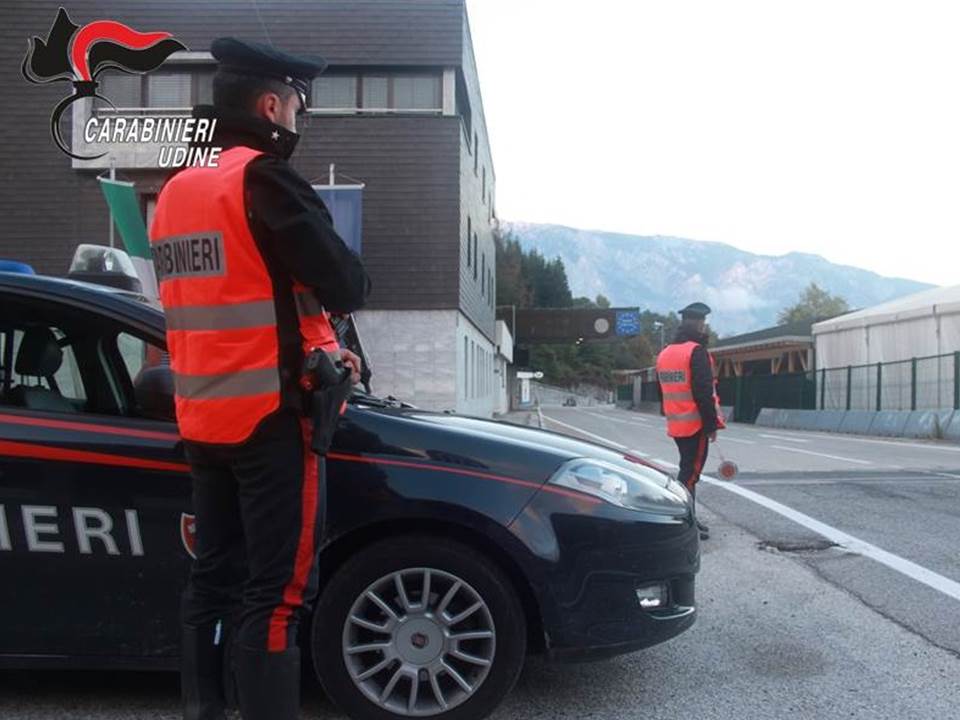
x: 828, y: 127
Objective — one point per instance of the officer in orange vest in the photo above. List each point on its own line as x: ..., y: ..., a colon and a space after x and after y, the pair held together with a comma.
x: 249, y: 265
x: 688, y: 391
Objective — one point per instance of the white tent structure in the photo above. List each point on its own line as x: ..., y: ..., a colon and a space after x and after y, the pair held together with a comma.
x: 901, y: 355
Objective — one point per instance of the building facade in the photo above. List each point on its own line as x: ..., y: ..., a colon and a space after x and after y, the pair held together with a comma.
x: 399, y: 110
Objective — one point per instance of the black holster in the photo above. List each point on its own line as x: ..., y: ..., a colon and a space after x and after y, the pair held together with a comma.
x: 323, y: 407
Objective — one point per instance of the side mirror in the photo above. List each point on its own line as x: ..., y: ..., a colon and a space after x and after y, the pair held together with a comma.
x: 153, y: 392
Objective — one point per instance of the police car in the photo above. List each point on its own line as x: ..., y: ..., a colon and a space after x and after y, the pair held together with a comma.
x: 453, y: 546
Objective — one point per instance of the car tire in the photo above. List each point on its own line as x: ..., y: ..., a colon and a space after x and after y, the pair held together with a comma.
x: 338, y: 642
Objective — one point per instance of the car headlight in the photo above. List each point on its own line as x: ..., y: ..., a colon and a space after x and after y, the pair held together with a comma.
x: 641, y: 489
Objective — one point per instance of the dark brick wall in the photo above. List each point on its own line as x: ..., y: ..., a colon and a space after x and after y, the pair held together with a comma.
x: 410, y: 204
x: 411, y: 165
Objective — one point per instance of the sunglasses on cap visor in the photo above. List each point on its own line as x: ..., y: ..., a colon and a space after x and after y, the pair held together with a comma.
x: 302, y: 110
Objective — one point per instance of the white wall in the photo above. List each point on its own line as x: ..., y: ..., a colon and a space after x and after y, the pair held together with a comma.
x: 413, y: 355
x: 477, y: 384
x: 418, y: 356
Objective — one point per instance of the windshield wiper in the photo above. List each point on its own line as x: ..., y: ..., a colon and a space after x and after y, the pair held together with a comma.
x: 364, y: 398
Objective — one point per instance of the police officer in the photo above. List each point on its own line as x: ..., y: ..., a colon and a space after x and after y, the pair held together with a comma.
x: 249, y: 264
x: 688, y: 391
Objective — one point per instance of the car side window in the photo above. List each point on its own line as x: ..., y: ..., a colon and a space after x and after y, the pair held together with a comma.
x: 27, y: 377
x: 147, y: 379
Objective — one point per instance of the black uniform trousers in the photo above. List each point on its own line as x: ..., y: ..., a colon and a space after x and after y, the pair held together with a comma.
x: 693, y: 456
x: 258, y: 510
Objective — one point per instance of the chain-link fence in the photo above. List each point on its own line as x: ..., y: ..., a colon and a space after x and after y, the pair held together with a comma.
x: 927, y: 383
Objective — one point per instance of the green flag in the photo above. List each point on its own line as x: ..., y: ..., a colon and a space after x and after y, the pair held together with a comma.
x: 125, y: 211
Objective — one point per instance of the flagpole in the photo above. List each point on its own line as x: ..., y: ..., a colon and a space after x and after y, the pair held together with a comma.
x: 113, y: 177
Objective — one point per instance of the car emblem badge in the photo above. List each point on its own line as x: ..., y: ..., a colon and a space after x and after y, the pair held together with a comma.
x: 188, y: 533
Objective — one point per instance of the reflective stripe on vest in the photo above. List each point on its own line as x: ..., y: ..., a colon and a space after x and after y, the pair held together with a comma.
x: 257, y: 313
x: 227, y: 385
x: 219, y: 302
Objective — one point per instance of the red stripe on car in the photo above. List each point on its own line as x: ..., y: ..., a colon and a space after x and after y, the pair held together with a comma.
x: 87, y: 427
x: 472, y: 473
x: 61, y: 454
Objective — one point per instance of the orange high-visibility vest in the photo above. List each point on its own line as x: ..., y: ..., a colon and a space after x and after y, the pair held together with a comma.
x: 218, y: 299
x: 676, y: 385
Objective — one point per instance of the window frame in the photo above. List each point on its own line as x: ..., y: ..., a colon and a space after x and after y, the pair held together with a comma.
x: 360, y: 75
x: 145, y: 108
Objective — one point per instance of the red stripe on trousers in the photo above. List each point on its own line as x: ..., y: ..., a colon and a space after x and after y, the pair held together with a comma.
x: 293, y: 592
x: 698, y: 463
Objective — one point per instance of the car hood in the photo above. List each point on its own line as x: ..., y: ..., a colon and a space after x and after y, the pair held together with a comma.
x: 513, y: 449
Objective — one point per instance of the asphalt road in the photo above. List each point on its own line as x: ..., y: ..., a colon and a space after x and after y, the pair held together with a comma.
x: 789, y: 625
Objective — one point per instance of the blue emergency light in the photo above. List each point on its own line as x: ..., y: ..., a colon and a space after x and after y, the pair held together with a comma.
x: 15, y: 266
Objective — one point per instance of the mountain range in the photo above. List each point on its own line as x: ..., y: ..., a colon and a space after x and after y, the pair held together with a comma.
x: 662, y: 274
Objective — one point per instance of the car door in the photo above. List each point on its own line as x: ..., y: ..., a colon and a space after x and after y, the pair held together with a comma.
x: 94, y: 495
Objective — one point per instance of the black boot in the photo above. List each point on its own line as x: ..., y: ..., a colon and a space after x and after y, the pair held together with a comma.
x: 201, y: 673
x: 268, y: 683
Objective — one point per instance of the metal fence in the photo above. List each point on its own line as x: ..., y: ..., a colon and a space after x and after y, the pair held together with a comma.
x: 926, y: 383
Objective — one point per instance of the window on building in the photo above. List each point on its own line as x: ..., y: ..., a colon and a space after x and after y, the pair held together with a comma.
x: 476, y: 153
x: 483, y: 277
x: 169, y: 90
x: 173, y: 90
x: 475, y: 256
x: 377, y: 93
x: 203, y: 87
x: 417, y: 92
x: 123, y: 90
x: 469, y: 243
x: 335, y: 93
x: 483, y: 186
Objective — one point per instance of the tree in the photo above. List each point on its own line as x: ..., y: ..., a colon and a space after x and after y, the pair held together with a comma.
x: 815, y: 303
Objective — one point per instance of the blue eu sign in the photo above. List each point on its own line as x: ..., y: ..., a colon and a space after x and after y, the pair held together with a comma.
x: 628, y: 322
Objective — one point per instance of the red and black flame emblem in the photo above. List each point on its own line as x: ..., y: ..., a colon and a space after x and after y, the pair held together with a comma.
x: 80, y: 54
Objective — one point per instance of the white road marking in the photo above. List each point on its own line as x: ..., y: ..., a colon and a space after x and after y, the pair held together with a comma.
x: 948, y: 475
x: 598, y: 438
x: 896, y: 443
x: 783, y: 437
x: 727, y: 438
x: 853, y: 481
x: 899, y: 564
x: 824, y: 455
x: 607, y: 418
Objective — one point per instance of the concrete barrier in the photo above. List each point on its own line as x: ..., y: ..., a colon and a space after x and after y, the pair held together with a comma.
x: 890, y: 423
x: 943, y: 421
x: 858, y: 422
x: 788, y: 419
x: 921, y: 424
x: 951, y: 431
x: 829, y: 420
x: 768, y: 417
x: 800, y: 420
